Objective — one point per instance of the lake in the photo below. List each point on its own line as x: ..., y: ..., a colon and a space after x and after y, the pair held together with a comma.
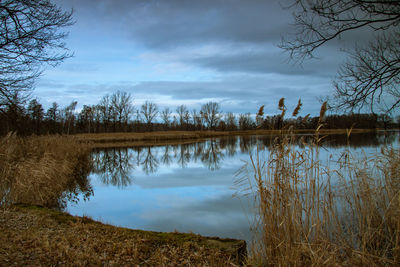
x: 191, y: 187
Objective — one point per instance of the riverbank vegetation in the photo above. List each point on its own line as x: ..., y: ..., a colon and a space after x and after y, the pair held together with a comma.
x: 39, y: 236
x: 311, y: 213
x: 104, y: 140
x: 42, y: 170
x: 116, y: 113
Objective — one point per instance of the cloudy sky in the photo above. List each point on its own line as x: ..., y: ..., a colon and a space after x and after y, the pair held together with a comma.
x: 189, y: 52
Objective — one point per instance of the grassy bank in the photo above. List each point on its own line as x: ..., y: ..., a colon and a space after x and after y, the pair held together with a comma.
x: 40, y: 170
x: 178, y: 137
x: 49, y: 170
x: 35, y: 236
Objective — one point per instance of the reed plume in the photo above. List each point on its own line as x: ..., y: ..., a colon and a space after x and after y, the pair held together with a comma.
x: 313, y: 214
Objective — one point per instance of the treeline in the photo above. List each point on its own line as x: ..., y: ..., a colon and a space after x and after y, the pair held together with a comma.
x: 116, y: 113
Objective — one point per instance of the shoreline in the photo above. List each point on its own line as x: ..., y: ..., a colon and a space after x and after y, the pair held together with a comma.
x: 126, y: 139
x: 36, y: 235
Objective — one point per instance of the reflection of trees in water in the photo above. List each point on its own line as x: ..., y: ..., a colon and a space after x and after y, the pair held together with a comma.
x: 248, y: 143
x: 184, y: 155
x: 166, y: 158
x: 198, y: 151
x: 229, y: 145
x: 212, y: 155
x: 357, y: 140
x: 150, y: 161
x: 80, y: 186
x: 114, y: 166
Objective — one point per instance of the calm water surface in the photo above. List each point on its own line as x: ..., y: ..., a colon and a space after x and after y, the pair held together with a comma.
x: 188, y: 187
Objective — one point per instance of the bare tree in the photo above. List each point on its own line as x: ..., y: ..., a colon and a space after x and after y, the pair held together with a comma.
x: 245, y: 121
x: 107, y: 111
x: 197, y: 120
x: 211, y: 113
x: 30, y: 37
x: 86, y: 117
x: 230, y: 121
x: 69, y: 115
x: 183, y: 114
x: 149, y: 111
x: 371, y: 76
x: 165, y: 116
x: 122, y: 106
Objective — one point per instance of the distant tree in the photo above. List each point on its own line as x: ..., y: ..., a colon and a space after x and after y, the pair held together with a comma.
x: 52, y: 113
x: 30, y: 36
x: 183, y: 113
x: 245, y: 122
x: 107, y: 112
x: 149, y: 111
x: 174, y: 123
x: 186, y: 119
x: 230, y: 121
x: 86, y: 118
x: 97, y: 118
x: 371, y: 76
x: 165, y: 116
x: 197, y: 120
x: 52, y: 117
x: 69, y: 116
x: 211, y: 113
x: 36, y: 114
x: 122, y: 107
x: 384, y: 120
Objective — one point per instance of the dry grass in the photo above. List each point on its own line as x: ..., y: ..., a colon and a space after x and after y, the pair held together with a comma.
x: 44, y: 171
x: 311, y: 214
x: 102, y: 140
x: 32, y: 236
x: 39, y: 170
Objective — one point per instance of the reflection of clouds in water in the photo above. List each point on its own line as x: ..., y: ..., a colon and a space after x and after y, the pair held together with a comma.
x: 223, y: 216
x: 188, y: 177
x: 185, y: 187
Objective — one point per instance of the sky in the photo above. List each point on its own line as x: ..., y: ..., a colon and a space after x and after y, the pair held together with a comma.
x: 189, y: 52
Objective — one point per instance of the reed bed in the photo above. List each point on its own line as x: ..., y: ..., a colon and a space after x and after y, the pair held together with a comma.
x: 41, y: 170
x: 313, y: 214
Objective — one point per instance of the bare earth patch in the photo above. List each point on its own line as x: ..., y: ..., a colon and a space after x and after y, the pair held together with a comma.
x: 33, y: 236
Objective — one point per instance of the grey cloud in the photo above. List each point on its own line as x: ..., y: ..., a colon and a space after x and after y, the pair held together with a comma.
x: 163, y: 24
x: 266, y: 62
x: 170, y: 25
x: 242, y: 93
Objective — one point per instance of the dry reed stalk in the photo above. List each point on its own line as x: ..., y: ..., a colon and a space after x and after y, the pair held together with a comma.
x: 313, y: 215
x: 37, y: 170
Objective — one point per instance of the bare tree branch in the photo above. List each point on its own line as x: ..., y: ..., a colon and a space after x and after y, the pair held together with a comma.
x: 30, y: 37
x: 371, y: 76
